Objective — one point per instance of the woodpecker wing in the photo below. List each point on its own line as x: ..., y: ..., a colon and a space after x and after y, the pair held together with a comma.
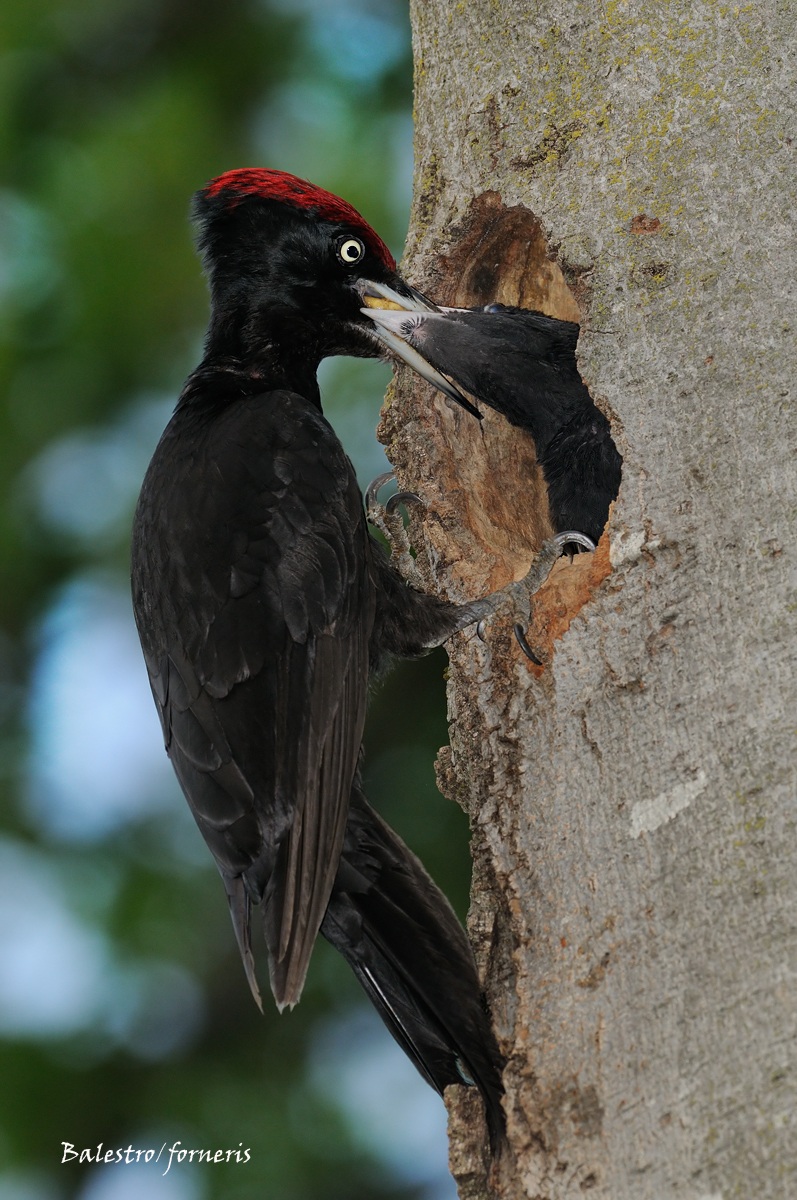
x: 254, y: 607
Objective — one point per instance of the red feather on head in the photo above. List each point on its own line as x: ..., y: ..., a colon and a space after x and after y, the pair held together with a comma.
x: 289, y: 189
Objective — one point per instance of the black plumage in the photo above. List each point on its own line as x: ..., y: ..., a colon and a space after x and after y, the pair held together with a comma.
x: 523, y: 364
x: 263, y: 605
x: 378, y: 918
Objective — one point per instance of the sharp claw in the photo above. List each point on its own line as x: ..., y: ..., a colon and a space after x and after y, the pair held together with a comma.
x: 525, y: 647
x: 374, y: 488
x: 390, y: 522
x: 571, y: 537
x: 401, y: 498
x: 520, y: 591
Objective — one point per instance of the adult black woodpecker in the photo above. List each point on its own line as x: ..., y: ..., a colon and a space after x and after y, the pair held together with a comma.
x: 523, y: 364
x: 263, y: 605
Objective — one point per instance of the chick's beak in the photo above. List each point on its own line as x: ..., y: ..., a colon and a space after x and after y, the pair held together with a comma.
x: 393, y: 315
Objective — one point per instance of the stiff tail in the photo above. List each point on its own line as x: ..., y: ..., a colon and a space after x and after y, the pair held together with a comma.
x: 401, y: 938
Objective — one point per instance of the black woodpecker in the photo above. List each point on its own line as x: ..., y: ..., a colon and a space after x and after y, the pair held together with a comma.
x: 263, y: 605
x: 523, y: 364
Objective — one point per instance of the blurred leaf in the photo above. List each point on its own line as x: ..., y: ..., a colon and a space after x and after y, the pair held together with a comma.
x: 110, y: 117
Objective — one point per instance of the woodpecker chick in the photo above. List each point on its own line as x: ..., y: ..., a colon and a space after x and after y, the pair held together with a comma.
x: 522, y: 364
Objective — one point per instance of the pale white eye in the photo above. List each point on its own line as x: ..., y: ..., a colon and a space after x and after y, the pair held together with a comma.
x: 350, y: 250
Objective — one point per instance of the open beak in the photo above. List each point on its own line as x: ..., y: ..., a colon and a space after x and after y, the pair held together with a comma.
x: 393, y: 315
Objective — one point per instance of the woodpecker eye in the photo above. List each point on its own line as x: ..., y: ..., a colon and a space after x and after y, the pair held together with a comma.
x: 350, y: 250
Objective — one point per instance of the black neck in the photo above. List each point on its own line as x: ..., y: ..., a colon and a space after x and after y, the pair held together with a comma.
x: 271, y: 349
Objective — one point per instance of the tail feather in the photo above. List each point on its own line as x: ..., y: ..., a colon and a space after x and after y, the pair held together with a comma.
x: 240, y: 911
x: 404, y: 943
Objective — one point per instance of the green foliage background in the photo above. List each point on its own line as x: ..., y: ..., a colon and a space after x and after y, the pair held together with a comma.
x: 111, y: 114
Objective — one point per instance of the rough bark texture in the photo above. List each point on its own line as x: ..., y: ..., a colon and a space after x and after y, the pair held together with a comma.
x: 633, y: 802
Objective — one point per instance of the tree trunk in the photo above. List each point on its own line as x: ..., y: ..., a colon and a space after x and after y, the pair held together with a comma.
x: 632, y: 801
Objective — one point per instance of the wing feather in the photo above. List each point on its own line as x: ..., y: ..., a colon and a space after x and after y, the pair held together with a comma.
x: 254, y: 604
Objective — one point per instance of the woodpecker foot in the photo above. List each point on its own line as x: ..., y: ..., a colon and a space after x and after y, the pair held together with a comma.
x: 540, y: 570
x: 388, y: 520
x: 520, y: 635
x: 518, y: 595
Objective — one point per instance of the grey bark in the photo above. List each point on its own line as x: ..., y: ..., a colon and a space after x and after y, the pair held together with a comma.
x: 633, y: 803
